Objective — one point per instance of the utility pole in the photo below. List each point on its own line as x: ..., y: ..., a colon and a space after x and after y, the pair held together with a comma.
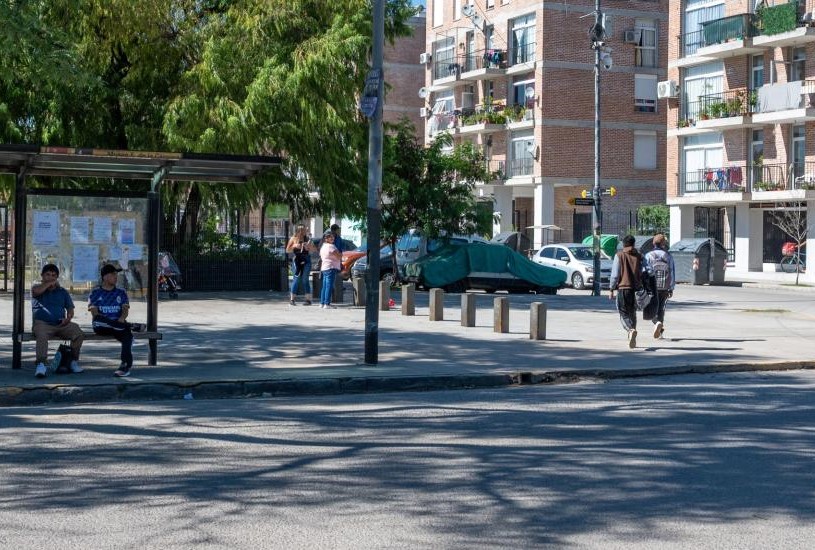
x: 371, y: 106
x: 602, y: 54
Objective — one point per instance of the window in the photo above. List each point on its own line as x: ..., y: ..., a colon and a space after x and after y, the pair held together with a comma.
x: 438, y: 12
x: 444, y: 55
x: 645, y: 52
x: 549, y: 252
x: 757, y: 75
x: 700, y: 153
x: 522, y: 149
x: 798, y: 62
x: 523, y: 39
x: 696, y: 13
x: 490, y: 4
x: 798, y: 149
x: 702, y: 80
x: 645, y: 150
x: 645, y: 93
x: 519, y: 91
x: 456, y: 10
x: 757, y: 154
x: 489, y: 32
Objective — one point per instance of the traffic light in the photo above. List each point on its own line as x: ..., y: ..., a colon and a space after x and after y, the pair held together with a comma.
x: 584, y: 193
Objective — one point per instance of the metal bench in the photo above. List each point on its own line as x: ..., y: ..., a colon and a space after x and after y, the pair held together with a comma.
x: 152, y: 337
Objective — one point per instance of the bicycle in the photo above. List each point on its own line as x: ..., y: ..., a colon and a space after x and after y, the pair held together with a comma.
x: 795, y: 263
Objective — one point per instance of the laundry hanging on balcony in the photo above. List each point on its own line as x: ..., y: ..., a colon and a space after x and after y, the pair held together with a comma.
x: 723, y: 179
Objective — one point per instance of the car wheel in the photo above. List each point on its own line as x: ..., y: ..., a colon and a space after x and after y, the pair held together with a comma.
x: 388, y: 278
x: 547, y: 290
x: 577, y: 281
x: 455, y: 288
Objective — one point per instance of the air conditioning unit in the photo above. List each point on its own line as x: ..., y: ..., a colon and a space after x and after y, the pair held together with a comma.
x: 424, y: 112
x: 667, y: 89
x: 425, y: 58
x: 632, y: 36
x: 467, y: 100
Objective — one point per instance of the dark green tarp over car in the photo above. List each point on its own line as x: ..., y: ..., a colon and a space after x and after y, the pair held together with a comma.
x: 477, y: 261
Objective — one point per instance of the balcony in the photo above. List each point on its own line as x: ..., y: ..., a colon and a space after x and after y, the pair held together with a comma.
x: 722, y: 111
x: 720, y: 38
x: 785, y: 25
x: 727, y: 179
x: 493, y: 117
x: 520, y: 167
x: 522, y: 59
x: 497, y: 170
x: 484, y: 64
x: 787, y: 103
x: 779, y: 177
x: 446, y: 73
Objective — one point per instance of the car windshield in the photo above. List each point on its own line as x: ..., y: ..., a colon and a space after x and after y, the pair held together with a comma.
x: 582, y: 252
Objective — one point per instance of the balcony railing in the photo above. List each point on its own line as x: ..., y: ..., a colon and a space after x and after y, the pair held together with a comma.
x: 523, y: 54
x: 730, y: 103
x: 497, y: 169
x: 446, y: 68
x: 524, y: 166
x: 785, y: 177
x: 726, y: 179
x: 485, y: 59
x: 719, y: 31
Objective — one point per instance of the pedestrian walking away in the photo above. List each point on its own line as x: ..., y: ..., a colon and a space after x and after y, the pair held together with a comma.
x: 659, y: 264
x: 109, y: 307
x: 52, y: 310
x: 300, y: 247
x: 330, y: 265
x: 626, y: 279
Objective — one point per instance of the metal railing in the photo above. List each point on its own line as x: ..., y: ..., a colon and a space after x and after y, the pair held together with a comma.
x: 726, y: 179
x: 484, y: 59
x: 719, y: 31
x: 730, y: 103
x: 523, y: 54
x: 446, y: 68
x: 497, y: 169
x: 521, y: 167
x: 785, y: 177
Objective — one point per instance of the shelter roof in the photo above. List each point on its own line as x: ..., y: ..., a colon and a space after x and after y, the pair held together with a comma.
x: 110, y: 163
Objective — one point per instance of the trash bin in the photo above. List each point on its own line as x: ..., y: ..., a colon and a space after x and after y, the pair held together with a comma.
x: 643, y: 243
x: 608, y: 243
x: 699, y: 261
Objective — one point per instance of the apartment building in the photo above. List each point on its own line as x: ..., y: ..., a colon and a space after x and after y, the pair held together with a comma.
x: 516, y: 77
x: 741, y: 124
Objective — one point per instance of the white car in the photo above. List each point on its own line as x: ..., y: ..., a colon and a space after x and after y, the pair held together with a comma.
x: 577, y: 260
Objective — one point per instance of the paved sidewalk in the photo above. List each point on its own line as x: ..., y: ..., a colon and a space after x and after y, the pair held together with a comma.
x: 236, y: 344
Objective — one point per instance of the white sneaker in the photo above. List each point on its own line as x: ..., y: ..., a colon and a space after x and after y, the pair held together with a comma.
x: 40, y: 371
x: 75, y: 368
x: 658, y: 330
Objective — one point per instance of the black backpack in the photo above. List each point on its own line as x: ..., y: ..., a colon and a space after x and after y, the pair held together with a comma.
x: 63, y: 358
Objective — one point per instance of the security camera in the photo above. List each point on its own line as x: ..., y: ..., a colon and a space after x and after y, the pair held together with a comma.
x: 606, y: 61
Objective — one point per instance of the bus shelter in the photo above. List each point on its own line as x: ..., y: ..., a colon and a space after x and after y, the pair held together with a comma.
x: 83, y: 228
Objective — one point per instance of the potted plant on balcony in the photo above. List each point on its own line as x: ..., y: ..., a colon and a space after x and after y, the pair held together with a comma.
x: 683, y: 123
x: 752, y: 99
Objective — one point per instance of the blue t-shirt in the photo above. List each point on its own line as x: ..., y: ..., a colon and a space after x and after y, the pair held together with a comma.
x: 51, y: 305
x: 108, y: 302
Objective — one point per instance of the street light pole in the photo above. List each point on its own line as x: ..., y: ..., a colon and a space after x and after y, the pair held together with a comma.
x: 597, y: 35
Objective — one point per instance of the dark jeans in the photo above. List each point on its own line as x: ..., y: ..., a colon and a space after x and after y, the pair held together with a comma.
x: 663, y: 300
x: 627, y: 307
x: 300, y: 283
x: 120, y: 331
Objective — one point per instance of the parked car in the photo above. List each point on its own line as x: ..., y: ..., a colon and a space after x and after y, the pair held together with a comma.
x: 360, y: 267
x: 350, y: 257
x: 577, y: 261
x: 484, y: 266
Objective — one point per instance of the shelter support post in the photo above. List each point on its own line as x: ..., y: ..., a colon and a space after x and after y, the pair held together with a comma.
x: 153, y: 224
x: 19, y: 270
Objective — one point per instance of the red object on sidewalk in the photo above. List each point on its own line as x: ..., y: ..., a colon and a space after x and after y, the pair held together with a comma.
x: 788, y: 249
x: 391, y: 303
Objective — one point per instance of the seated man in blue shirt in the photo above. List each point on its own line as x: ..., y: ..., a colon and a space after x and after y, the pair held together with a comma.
x: 52, y: 310
x: 109, y: 307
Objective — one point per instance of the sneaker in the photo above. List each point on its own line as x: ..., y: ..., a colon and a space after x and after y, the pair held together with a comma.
x: 124, y: 370
x: 632, y: 338
x: 307, y: 303
x: 292, y: 303
x: 322, y: 306
x: 658, y: 330
x: 40, y: 371
x: 330, y: 306
x: 75, y: 368
x: 138, y: 327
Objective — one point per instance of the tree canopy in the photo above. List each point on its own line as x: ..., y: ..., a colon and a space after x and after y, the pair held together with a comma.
x: 275, y: 77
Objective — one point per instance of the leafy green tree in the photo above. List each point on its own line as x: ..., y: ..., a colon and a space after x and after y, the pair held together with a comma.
x: 431, y: 188
x: 653, y: 219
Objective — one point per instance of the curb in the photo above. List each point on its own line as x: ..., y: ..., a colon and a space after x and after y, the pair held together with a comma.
x: 158, y: 391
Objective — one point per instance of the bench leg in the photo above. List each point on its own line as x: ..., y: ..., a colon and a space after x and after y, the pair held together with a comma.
x: 152, y: 355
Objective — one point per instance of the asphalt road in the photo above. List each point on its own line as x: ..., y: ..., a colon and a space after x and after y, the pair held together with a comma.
x: 720, y: 461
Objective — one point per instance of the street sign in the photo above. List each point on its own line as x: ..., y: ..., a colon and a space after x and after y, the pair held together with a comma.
x: 580, y: 201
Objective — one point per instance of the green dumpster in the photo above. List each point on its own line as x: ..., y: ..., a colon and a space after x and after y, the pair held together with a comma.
x: 608, y: 243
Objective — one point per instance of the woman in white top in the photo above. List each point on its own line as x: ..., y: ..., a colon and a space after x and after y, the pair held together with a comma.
x: 330, y: 265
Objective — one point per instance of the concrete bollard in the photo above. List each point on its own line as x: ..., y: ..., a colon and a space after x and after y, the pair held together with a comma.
x: 468, y: 310
x: 436, y: 304
x: 316, y: 284
x: 409, y: 299
x: 360, y: 291
x: 384, y: 295
x: 537, y: 321
x: 500, y: 315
